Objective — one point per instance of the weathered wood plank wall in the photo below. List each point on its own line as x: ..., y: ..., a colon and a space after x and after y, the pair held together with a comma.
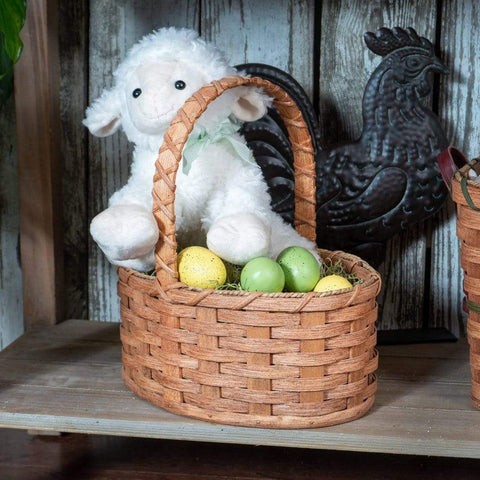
x: 345, y: 67
x: 285, y: 36
x: 37, y: 116
x: 278, y: 33
x: 459, y: 107
x: 321, y: 44
x: 11, y: 308
x: 114, y: 28
x: 73, y: 101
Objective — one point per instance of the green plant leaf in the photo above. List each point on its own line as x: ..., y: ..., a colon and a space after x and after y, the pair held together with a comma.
x: 12, y: 18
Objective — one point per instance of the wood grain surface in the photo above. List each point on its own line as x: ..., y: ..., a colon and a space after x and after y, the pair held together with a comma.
x: 279, y: 34
x: 73, y: 143
x: 114, y: 28
x: 38, y: 152
x: 345, y: 68
x: 459, y: 105
x: 67, y: 378
x: 11, y: 299
x: 97, y: 457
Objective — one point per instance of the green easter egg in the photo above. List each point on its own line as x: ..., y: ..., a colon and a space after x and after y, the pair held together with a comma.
x: 262, y: 274
x: 301, y: 269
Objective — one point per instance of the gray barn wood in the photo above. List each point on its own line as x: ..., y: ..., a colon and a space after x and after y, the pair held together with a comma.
x: 459, y: 106
x: 278, y: 33
x: 74, y: 141
x: 422, y: 277
x: 345, y: 67
x: 114, y: 28
x: 11, y: 308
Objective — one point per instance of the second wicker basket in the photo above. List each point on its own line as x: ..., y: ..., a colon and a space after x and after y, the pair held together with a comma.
x: 466, y: 194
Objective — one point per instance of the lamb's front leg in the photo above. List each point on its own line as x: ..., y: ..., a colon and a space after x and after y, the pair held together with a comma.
x: 127, y: 234
x: 235, y: 220
x: 237, y: 238
x: 239, y: 222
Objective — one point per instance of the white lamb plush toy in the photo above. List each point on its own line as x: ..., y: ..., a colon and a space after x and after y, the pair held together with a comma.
x: 221, y: 199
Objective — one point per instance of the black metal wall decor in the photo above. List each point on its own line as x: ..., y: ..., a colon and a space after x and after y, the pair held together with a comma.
x: 368, y: 190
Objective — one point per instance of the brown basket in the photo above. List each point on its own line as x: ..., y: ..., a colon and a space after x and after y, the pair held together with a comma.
x: 276, y: 360
x: 466, y: 194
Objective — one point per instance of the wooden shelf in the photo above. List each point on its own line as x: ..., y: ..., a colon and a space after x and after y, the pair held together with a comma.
x: 67, y: 378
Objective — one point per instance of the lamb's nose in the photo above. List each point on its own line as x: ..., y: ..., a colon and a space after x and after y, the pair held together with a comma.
x: 155, y: 101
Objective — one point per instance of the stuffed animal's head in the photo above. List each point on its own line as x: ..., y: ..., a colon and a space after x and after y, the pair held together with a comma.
x: 157, y: 76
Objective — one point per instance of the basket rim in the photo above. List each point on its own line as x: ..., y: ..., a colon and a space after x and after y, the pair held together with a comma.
x: 372, y: 277
x: 463, y: 173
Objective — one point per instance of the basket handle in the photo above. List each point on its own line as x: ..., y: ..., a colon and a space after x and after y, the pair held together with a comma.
x: 466, y: 194
x: 170, y: 156
x: 450, y: 161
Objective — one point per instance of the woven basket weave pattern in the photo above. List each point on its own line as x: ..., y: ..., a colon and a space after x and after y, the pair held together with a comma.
x: 287, y: 360
x: 468, y: 230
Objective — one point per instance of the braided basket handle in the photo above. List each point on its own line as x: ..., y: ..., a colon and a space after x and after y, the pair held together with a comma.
x: 466, y: 194
x: 170, y: 156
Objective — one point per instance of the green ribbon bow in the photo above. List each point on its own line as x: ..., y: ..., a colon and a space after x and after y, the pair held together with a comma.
x: 200, y: 139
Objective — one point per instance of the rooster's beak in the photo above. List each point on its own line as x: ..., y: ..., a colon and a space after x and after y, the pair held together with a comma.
x: 438, y: 66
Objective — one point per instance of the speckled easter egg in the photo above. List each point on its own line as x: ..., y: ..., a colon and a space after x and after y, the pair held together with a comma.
x: 332, y: 282
x: 301, y: 269
x: 262, y: 274
x: 199, y: 267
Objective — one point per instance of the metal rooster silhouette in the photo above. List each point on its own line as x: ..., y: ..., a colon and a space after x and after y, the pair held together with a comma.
x: 370, y: 189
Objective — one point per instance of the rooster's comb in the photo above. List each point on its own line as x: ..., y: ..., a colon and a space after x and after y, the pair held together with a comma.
x: 385, y: 41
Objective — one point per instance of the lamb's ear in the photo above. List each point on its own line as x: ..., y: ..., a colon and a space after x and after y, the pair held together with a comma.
x: 251, y: 105
x: 103, y: 116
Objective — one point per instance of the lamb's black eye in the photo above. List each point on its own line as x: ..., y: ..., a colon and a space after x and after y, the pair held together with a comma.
x: 136, y: 93
x: 180, y: 84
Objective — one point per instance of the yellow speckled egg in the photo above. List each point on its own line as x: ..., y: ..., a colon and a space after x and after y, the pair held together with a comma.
x: 331, y: 282
x: 199, y: 267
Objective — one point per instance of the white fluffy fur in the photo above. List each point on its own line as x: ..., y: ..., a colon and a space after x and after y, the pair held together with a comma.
x: 223, y: 202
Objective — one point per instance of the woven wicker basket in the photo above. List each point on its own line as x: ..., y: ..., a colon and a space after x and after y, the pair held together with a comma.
x: 466, y: 194
x: 275, y: 360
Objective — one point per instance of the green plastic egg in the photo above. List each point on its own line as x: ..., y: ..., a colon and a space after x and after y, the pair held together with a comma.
x: 262, y: 274
x: 301, y: 269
